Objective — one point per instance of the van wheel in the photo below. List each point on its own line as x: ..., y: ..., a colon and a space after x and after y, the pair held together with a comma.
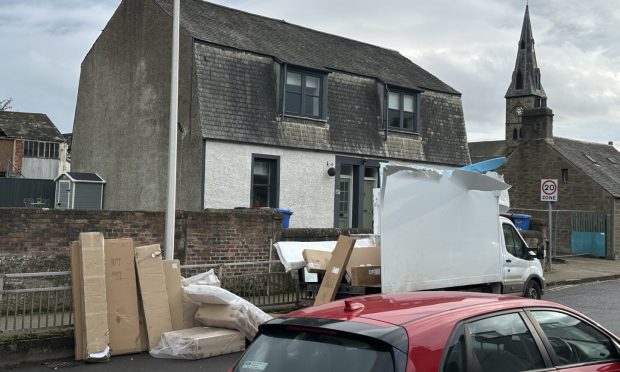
x: 533, y: 290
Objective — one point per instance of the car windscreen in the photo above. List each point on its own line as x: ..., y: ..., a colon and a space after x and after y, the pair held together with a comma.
x: 305, y: 351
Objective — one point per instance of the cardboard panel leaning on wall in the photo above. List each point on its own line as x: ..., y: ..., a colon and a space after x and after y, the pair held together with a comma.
x: 94, y: 296
x: 122, y: 296
x: 172, y: 273
x: 78, y: 311
x: 153, y: 292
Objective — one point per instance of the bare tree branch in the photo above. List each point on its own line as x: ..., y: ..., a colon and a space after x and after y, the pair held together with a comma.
x: 5, y: 104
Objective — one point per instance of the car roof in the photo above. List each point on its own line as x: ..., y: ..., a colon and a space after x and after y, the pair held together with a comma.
x: 405, y: 308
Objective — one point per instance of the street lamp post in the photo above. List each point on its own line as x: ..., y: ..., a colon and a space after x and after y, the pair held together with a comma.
x: 172, y: 139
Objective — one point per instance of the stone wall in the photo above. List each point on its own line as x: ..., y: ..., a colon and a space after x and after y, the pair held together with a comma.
x: 534, y: 160
x: 36, y: 240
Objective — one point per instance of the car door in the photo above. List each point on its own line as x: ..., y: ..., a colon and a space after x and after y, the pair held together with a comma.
x: 504, y: 341
x: 515, y: 266
x: 575, y: 344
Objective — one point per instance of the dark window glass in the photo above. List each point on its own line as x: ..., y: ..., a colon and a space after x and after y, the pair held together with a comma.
x: 264, y: 183
x: 520, y: 132
x: 309, y: 352
x: 564, y: 175
x: 303, y: 94
x: 401, y: 111
x: 514, y: 244
x: 502, y: 341
x: 48, y: 150
x: 574, y: 341
x: 41, y: 152
x: 455, y: 359
x: 514, y: 134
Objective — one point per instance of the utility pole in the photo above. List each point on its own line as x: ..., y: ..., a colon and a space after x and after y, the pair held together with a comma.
x: 172, y: 139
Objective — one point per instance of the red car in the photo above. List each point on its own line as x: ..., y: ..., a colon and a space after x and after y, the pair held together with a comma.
x: 432, y: 331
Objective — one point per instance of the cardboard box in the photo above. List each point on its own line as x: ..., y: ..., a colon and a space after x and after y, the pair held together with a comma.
x: 363, y: 275
x: 172, y: 274
x: 202, y: 342
x: 335, y: 270
x: 94, y: 298
x: 364, y: 267
x: 78, y: 311
x: 316, y: 261
x: 122, y: 297
x: 153, y: 292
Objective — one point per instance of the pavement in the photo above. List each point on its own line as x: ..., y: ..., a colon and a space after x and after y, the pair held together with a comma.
x: 581, y: 269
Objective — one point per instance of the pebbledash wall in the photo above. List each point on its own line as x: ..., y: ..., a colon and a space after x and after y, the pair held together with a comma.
x: 312, y: 203
x: 34, y: 240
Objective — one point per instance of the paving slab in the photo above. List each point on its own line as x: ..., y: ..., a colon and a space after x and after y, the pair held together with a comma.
x: 582, y: 269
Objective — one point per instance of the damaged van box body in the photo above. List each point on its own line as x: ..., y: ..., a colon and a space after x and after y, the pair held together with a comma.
x: 442, y: 229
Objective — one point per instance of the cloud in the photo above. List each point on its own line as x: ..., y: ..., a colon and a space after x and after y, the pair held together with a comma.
x: 469, y: 44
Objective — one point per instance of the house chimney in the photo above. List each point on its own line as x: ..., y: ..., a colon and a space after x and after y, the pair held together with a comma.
x: 610, y: 143
x: 537, y: 123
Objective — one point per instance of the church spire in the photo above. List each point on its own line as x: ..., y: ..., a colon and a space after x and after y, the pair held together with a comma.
x: 526, y: 75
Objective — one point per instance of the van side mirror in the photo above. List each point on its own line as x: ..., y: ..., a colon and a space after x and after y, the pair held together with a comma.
x: 538, y: 252
x: 541, y: 252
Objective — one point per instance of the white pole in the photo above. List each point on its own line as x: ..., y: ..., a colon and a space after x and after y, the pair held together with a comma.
x: 550, y: 235
x: 172, y: 139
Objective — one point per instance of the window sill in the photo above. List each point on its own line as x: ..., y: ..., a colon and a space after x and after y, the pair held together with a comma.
x: 401, y: 131
x: 318, y: 120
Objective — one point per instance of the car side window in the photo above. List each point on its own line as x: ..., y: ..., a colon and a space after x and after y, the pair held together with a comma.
x: 455, y: 359
x: 503, y: 343
x: 514, y: 244
x: 573, y: 340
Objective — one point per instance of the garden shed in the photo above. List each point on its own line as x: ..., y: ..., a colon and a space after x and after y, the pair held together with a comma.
x: 78, y: 190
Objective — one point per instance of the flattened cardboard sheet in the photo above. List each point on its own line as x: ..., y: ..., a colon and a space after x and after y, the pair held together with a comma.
x: 94, y: 296
x: 172, y: 274
x: 335, y: 270
x: 122, y: 296
x: 153, y: 292
x: 78, y: 311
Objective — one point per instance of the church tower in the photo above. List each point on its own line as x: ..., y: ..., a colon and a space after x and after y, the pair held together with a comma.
x: 525, y: 91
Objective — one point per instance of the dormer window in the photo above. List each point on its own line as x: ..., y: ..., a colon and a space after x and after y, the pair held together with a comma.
x: 304, y: 93
x: 403, y: 111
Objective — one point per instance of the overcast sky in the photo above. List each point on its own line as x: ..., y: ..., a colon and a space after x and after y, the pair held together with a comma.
x: 469, y: 44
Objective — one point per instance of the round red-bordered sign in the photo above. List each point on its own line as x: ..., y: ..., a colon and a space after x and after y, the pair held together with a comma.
x: 549, y: 187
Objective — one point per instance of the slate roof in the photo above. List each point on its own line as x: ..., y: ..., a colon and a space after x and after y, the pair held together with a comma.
x: 526, y: 62
x: 485, y: 150
x: 300, y: 46
x: 81, y: 176
x: 599, y: 161
x: 28, y: 126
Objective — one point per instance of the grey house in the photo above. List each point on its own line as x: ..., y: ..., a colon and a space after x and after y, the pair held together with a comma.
x: 270, y: 114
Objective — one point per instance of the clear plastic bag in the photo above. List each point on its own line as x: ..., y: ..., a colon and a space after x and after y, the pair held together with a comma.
x: 206, y: 278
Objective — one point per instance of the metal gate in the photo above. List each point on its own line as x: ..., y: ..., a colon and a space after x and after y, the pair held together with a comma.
x: 589, y: 233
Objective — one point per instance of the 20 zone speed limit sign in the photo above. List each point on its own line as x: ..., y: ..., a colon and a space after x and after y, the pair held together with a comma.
x: 549, y: 190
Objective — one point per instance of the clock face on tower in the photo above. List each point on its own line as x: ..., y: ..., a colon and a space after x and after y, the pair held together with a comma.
x: 519, y: 110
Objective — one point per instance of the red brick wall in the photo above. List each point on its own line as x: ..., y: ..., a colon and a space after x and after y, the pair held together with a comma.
x: 38, y: 240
